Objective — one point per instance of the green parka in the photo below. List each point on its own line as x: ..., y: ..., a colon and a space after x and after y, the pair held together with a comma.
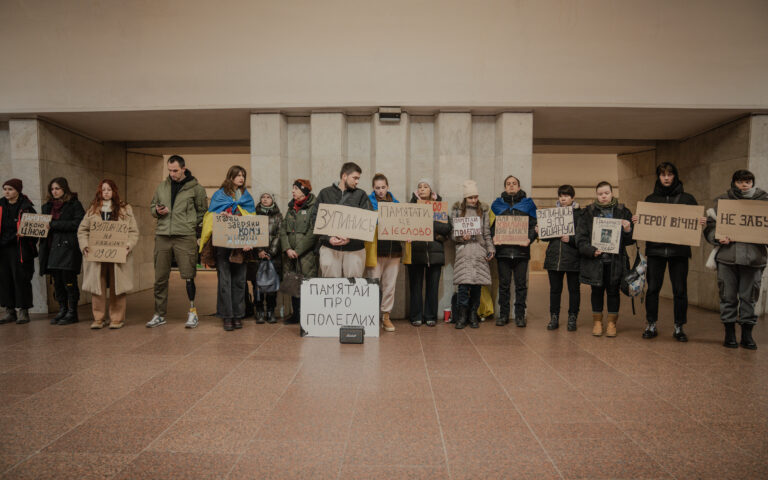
x: 296, y: 233
x: 186, y: 211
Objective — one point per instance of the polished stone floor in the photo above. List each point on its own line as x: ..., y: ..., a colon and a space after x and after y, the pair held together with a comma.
x: 420, y: 403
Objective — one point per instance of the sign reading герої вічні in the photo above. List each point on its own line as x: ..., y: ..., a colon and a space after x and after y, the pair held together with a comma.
x: 669, y: 223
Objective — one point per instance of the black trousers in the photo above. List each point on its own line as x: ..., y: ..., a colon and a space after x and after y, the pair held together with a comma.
x: 610, y: 290
x: 469, y: 295
x: 15, y: 278
x: 509, y: 268
x: 65, y: 285
x: 678, y: 275
x: 230, y: 298
x: 424, y: 307
x: 556, y: 289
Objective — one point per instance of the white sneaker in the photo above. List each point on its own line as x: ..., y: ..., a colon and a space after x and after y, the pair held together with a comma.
x: 156, y: 321
x: 191, y: 318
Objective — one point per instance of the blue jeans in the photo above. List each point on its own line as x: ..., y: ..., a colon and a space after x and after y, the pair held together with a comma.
x: 469, y: 295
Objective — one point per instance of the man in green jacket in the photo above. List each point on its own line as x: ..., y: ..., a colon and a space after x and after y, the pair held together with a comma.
x: 178, y: 205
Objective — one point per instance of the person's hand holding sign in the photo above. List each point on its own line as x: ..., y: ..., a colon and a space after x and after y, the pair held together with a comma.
x: 598, y: 252
x: 338, y: 241
x: 627, y: 226
x: 725, y: 241
x: 635, y: 219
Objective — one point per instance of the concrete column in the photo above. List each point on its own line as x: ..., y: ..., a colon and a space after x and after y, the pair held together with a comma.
x: 328, y: 147
x: 25, y: 164
x: 514, y: 147
x: 269, y: 170
x: 758, y: 164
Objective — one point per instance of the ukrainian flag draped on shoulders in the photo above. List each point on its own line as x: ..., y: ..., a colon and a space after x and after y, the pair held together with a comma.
x: 525, y: 205
x: 240, y: 204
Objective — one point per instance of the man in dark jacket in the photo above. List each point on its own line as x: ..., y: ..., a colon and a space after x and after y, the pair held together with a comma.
x: 668, y: 189
x: 343, y: 257
x: 513, y: 259
x: 740, y: 267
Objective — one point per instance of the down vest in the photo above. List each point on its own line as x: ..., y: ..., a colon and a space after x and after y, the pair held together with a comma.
x: 471, y: 266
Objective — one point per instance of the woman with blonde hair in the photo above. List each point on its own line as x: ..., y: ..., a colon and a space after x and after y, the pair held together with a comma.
x: 100, y: 277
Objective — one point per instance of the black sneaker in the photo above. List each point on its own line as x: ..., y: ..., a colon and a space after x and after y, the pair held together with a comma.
x: 650, y: 331
x: 679, y: 334
x: 554, y: 322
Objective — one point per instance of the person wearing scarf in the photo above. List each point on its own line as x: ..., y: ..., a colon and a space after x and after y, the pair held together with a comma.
x: 297, y: 240
x: 604, y: 271
x: 17, y: 254
x: 60, y: 255
x: 668, y: 189
x: 740, y: 267
x: 231, y: 199
x: 263, y: 305
x: 512, y: 260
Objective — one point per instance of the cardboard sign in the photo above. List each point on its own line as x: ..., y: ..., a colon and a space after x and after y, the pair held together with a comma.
x: 405, y: 221
x: 555, y: 222
x: 34, y: 225
x: 510, y: 230
x: 439, y: 209
x: 606, y: 234
x: 467, y: 226
x: 235, y: 231
x: 328, y: 304
x: 347, y: 222
x: 107, y: 241
x: 669, y: 223
x: 742, y: 220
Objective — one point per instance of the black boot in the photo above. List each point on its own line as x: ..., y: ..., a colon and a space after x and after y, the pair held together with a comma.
x: 679, y: 334
x: 10, y: 315
x: 474, y: 322
x: 228, y: 325
x: 248, y: 305
x: 520, y: 319
x: 572, y: 322
x: 73, y: 295
x: 502, y: 320
x: 730, y: 336
x: 259, y: 312
x: 746, y: 337
x: 270, y: 316
x: 554, y: 322
x: 237, y: 323
x: 62, y: 311
x: 650, y: 330
x: 461, y: 320
x: 295, y: 317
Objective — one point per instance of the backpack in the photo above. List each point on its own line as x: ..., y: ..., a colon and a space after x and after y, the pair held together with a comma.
x: 267, y: 278
x: 633, y: 283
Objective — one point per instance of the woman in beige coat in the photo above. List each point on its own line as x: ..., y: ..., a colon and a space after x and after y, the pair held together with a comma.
x: 98, y: 277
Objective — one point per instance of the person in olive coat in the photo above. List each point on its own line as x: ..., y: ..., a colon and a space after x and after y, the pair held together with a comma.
x: 17, y: 254
x: 297, y: 240
x: 563, y: 259
x: 60, y: 255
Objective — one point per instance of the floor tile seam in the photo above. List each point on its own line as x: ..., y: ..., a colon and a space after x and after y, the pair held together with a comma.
x: 434, y: 404
x: 145, y: 449
x: 268, y: 413
x: 349, y: 429
x: 517, y: 409
x: 608, y: 417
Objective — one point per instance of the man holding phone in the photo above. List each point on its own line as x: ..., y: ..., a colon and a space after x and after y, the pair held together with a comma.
x: 179, y: 205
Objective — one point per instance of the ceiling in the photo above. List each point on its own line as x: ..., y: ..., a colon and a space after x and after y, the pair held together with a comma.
x: 556, y: 129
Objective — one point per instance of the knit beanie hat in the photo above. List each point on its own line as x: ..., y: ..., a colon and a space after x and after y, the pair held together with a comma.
x: 426, y: 180
x: 15, y: 183
x: 470, y: 188
x: 304, y: 185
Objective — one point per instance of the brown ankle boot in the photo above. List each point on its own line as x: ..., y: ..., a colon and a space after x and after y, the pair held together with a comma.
x: 386, y: 323
x: 597, y: 328
x: 610, y: 329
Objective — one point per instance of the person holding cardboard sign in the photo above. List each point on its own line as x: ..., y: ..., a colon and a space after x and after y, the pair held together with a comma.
x: 427, y: 260
x: 385, y: 261
x: 60, y: 255
x: 604, y: 271
x: 512, y: 260
x: 473, y: 252
x: 668, y: 189
x: 339, y: 256
x: 102, y: 277
x: 17, y: 254
x: 740, y: 267
x: 231, y: 271
x: 262, y: 307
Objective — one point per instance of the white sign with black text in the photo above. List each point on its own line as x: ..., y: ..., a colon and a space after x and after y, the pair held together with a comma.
x: 328, y: 304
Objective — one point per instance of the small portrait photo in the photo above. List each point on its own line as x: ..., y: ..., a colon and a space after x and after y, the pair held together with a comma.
x: 605, y: 235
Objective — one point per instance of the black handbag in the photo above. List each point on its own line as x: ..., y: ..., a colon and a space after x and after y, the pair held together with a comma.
x: 291, y: 284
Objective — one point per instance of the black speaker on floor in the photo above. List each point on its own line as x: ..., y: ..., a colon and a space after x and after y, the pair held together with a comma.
x: 351, y: 334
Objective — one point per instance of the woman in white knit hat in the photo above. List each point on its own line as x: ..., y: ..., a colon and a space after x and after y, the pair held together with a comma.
x: 474, y: 249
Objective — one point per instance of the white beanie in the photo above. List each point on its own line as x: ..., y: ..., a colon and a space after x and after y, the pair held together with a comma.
x: 470, y: 188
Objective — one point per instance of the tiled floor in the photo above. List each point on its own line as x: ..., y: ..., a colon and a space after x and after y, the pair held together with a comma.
x: 420, y: 403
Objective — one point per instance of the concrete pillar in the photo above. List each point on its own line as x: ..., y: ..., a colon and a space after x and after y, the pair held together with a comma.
x: 514, y: 147
x: 328, y: 147
x: 758, y: 164
x: 269, y: 145
x: 25, y: 164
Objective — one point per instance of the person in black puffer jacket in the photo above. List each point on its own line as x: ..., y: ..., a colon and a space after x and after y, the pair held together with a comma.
x: 512, y: 260
x: 563, y: 259
x: 668, y: 189
x: 17, y: 254
x: 604, y: 271
x: 427, y: 260
x: 60, y: 255
x: 740, y: 267
x: 263, y: 305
